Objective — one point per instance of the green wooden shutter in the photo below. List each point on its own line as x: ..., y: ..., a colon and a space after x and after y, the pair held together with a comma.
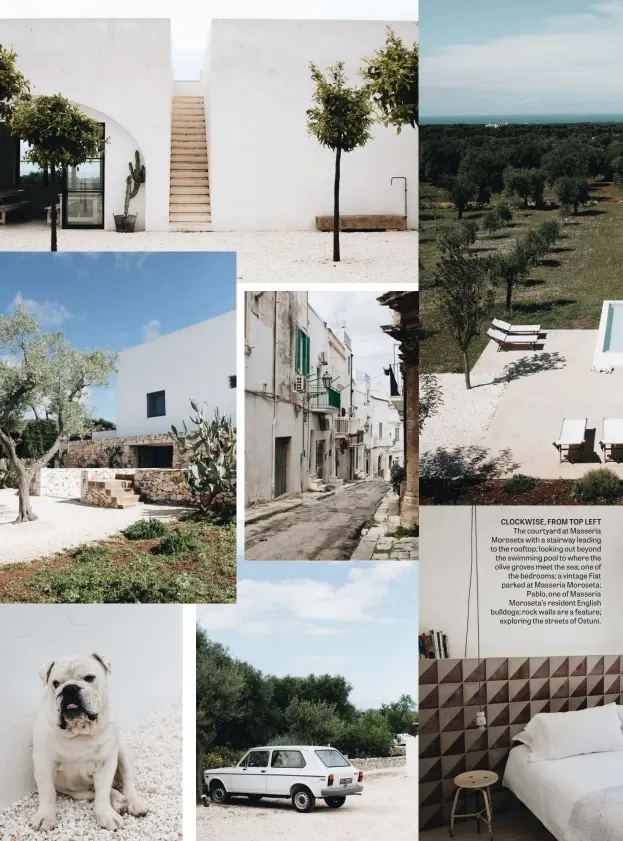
x: 306, y: 356
x: 297, y: 352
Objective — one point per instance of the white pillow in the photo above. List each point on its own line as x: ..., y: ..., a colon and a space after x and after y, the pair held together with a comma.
x: 558, y: 735
x: 523, y: 737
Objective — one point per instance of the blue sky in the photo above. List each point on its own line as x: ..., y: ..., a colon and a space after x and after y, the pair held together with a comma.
x: 117, y: 300
x: 536, y: 56
x: 358, y: 620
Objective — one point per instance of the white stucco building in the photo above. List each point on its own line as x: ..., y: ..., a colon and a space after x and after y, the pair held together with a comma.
x: 227, y: 151
x: 310, y: 420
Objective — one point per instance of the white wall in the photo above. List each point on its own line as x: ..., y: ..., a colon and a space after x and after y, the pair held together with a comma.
x: 118, y: 71
x: 445, y: 546
x: 143, y: 644
x: 266, y: 172
x: 195, y: 362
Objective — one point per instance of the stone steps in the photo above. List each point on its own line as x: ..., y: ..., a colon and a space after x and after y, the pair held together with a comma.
x: 189, y: 191
x: 111, y: 493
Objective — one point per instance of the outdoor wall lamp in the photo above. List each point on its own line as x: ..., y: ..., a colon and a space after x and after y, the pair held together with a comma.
x: 326, y: 381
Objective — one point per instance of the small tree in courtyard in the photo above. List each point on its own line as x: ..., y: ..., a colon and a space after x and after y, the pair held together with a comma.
x: 13, y: 85
x: 42, y: 369
x: 392, y: 79
x: 465, y: 299
x: 59, y: 136
x: 341, y: 121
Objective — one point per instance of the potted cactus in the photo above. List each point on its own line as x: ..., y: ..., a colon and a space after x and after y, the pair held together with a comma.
x: 125, y: 223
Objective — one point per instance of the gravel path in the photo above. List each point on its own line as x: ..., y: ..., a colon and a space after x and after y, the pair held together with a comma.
x: 64, y: 523
x: 464, y: 415
x: 386, y: 809
x: 156, y: 746
x: 263, y: 256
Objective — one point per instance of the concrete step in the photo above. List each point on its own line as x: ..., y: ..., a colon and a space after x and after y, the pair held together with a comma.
x: 190, y: 219
x: 184, y: 100
x: 178, y: 180
x: 189, y: 190
x: 191, y: 201
x: 181, y: 167
x: 188, y: 156
x: 187, y: 133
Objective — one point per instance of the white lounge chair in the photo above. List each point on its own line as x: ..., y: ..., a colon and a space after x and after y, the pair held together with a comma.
x: 612, y: 438
x: 513, y: 329
x: 572, y: 438
x: 503, y: 339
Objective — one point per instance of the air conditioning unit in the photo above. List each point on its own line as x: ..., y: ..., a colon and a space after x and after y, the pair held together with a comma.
x: 299, y: 384
x: 322, y: 358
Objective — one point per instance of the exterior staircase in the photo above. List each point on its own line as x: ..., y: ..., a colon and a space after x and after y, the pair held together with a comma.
x: 111, y: 493
x: 189, y: 197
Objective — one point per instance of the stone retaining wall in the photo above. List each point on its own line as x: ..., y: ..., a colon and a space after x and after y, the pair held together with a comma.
x: 95, y: 453
x: 373, y: 763
x: 68, y: 482
x: 160, y: 485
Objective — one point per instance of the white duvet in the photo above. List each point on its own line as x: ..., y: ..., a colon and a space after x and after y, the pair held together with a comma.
x: 551, y: 788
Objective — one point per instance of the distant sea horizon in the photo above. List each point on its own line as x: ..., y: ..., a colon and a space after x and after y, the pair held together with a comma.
x: 486, y: 119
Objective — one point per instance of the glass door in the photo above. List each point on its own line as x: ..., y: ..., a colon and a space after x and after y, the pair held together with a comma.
x: 83, y: 204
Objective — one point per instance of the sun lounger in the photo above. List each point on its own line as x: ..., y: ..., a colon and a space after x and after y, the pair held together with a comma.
x: 503, y: 339
x: 505, y: 327
x: 612, y: 438
x: 572, y: 438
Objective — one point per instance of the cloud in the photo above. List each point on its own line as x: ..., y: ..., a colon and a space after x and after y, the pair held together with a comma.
x: 151, y: 330
x: 577, y: 54
x: 308, y: 605
x: 48, y: 313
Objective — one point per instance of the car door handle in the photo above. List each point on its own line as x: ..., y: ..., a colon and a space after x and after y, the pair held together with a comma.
x: 263, y: 771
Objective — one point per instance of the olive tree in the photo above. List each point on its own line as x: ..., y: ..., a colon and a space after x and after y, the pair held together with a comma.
x: 392, y: 80
x: 341, y: 121
x: 13, y: 85
x: 59, y: 136
x: 43, y: 370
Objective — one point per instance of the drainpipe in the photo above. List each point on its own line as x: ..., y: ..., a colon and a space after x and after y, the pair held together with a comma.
x: 272, y: 439
x: 401, y: 178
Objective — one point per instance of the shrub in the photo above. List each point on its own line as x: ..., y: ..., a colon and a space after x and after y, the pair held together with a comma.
x: 519, y: 484
x: 145, y: 529
x: 91, y: 554
x: 178, y: 542
x: 600, y: 485
x: 219, y: 757
x: 397, y: 475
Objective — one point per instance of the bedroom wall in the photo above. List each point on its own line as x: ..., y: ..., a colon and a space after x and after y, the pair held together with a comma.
x: 445, y: 558
x: 511, y: 690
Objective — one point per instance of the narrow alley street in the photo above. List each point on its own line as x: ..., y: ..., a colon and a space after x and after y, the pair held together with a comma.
x: 322, y: 529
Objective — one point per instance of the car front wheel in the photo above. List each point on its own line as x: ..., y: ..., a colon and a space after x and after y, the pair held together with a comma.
x: 218, y: 793
x: 335, y: 802
x: 303, y: 800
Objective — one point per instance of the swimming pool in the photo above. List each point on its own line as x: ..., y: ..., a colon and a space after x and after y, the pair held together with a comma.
x: 609, y: 349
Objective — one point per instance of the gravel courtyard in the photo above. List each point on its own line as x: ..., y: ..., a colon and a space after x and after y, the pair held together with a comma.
x: 156, y: 746
x: 262, y: 256
x: 386, y: 809
x: 64, y: 523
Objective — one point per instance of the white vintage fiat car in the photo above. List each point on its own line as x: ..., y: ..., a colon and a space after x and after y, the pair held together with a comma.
x: 300, y: 772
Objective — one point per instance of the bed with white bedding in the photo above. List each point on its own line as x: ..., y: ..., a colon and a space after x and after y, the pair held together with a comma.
x: 578, y: 798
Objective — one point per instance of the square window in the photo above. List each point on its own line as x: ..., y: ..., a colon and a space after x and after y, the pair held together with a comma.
x: 232, y: 381
x: 156, y: 407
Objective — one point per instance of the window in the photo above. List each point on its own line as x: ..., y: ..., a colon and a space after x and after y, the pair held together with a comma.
x: 397, y: 434
x: 287, y: 759
x: 156, y: 407
x: 84, y: 193
x: 380, y: 430
x: 301, y: 356
x: 332, y: 758
x: 232, y: 381
x: 30, y: 174
x: 257, y: 759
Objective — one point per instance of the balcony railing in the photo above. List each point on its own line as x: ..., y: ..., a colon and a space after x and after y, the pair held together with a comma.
x: 346, y: 426
x: 324, y: 399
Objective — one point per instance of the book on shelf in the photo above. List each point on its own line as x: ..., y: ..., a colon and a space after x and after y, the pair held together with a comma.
x: 434, y: 646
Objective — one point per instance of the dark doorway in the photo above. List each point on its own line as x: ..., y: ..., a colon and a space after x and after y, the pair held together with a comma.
x: 155, y: 456
x: 282, y: 446
x: 320, y: 459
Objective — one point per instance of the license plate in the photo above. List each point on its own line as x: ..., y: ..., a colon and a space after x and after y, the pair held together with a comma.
x: 346, y: 781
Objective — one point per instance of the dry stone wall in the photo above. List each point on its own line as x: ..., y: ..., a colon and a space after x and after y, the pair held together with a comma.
x: 68, y: 482
x: 167, y: 486
x: 95, y: 453
x: 156, y: 485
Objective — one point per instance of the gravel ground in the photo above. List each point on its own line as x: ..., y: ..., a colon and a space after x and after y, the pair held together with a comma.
x: 64, y: 523
x: 386, y: 809
x: 464, y: 415
x: 156, y: 745
x: 263, y: 256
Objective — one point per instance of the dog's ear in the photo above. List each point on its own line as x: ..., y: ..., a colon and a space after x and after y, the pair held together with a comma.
x: 44, y: 671
x: 101, y: 659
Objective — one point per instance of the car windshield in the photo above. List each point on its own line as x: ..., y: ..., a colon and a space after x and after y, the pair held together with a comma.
x: 332, y: 758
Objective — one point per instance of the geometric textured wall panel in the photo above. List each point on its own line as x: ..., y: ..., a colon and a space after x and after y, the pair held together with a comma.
x: 510, y: 690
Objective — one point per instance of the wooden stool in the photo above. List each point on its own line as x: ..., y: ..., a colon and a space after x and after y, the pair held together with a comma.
x: 478, y: 781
